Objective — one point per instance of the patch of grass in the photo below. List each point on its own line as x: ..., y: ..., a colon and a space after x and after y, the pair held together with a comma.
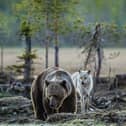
x: 77, y: 122
x: 70, y: 59
x: 5, y: 94
x: 82, y: 122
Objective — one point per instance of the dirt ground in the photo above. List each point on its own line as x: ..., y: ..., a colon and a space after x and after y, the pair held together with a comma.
x: 71, y: 59
x: 109, y: 106
x: 108, y: 109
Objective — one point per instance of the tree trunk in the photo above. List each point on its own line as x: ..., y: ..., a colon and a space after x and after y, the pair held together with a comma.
x: 47, y: 41
x: 99, y: 55
x: 56, y: 56
x: 2, y: 58
x: 87, y: 58
x: 56, y: 43
x: 97, y: 40
x: 47, y: 35
x: 46, y: 55
x: 27, y: 69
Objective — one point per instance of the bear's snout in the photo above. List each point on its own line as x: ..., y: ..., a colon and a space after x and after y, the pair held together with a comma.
x: 52, y: 106
x: 53, y: 103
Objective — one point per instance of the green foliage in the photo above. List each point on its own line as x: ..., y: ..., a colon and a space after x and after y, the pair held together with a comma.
x: 32, y: 56
x: 26, y: 29
x: 103, y: 11
x: 112, y: 35
x: 34, y: 11
x: 5, y: 23
x: 5, y: 94
x: 19, y: 68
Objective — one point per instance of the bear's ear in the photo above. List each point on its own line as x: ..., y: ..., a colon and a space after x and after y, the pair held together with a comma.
x: 46, y: 82
x: 63, y: 83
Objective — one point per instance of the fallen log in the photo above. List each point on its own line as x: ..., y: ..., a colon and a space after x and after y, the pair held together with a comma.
x: 111, y: 117
x: 13, y: 107
x: 119, y: 82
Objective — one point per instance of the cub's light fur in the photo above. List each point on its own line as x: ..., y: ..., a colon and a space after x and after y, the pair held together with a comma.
x: 83, y: 82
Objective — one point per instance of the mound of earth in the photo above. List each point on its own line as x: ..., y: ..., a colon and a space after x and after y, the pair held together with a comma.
x: 16, y: 110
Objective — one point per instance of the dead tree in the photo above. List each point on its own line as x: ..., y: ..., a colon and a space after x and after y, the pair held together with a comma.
x: 99, y: 50
x: 95, y: 51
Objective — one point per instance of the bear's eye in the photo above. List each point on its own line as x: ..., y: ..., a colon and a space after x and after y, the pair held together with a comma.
x: 49, y: 96
x: 55, y: 96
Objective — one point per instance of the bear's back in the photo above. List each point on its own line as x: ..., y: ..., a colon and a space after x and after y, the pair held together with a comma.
x: 54, y: 73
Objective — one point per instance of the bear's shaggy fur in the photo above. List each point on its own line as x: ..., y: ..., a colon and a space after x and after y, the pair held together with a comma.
x: 53, y: 92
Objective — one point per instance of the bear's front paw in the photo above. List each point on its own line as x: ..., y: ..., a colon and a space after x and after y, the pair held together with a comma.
x: 44, y: 116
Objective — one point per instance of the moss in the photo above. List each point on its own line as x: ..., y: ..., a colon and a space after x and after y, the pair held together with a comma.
x: 81, y: 122
x: 4, y: 94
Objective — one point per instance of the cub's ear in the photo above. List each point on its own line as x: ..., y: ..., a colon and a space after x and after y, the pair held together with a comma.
x: 89, y: 71
x: 47, y: 82
x: 63, y: 83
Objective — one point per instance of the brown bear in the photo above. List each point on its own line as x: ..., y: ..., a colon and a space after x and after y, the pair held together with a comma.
x: 53, y: 92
